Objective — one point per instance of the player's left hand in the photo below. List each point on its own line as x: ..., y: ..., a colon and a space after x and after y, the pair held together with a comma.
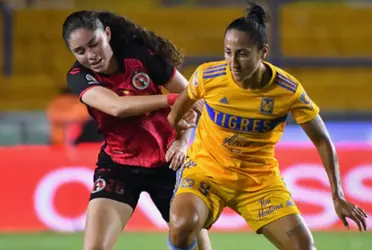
x: 176, y: 154
x: 345, y: 209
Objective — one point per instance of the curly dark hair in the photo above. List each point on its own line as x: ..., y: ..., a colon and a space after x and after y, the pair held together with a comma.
x: 123, y: 31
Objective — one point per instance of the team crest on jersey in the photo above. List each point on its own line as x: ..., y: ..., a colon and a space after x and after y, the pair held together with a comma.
x: 141, y: 80
x: 91, y: 79
x: 99, y: 185
x: 267, y: 106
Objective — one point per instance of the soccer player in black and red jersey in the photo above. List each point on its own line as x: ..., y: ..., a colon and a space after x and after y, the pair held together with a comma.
x: 119, y: 70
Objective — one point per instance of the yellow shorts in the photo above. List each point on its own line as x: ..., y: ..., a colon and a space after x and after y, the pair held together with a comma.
x: 258, y: 208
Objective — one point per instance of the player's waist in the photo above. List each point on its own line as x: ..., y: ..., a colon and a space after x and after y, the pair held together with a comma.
x: 105, y: 161
x: 147, y: 158
x: 236, y: 176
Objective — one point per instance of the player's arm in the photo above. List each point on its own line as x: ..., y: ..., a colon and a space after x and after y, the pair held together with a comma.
x: 307, y: 115
x: 187, y: 99
x: 183, y: 104
x: 177, y: 84
x: 164, y: 74
x: 110, y: 103
x: 318, y: 134
x: 94, y: 95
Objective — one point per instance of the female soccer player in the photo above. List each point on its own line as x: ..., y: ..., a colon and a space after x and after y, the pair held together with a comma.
x: 232, y: 162
x: 119, y: 70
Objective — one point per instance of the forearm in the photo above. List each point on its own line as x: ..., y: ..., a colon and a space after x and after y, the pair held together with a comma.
x: 184, y: 135
x: 179, y: 111
x: 198, y: 107
x: 329, y: 159
x: 137, y: 105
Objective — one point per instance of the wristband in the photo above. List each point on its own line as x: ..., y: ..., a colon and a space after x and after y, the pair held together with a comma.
x: 172, y: 98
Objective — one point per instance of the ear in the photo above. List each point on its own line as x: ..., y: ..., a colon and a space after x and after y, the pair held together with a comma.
x: 265, y: 51
x: 108, y: 33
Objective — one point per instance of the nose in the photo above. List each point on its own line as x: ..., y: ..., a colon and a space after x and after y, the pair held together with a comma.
x: 234, y: 63
x: 91, y: 54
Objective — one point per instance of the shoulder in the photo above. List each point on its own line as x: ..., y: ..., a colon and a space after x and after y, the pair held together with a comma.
x: 285, y: 80
x: 80, y: 78
x: 78, y: 70
x: 210, y: 71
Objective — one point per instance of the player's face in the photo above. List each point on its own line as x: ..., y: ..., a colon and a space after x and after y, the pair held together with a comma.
x: 92, y: 48
x: 242, y: 56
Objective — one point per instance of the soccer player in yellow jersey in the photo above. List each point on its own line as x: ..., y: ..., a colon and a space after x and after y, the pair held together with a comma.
x: 232, y: 161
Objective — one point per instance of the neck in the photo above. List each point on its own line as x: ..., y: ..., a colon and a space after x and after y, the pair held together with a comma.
x: 113, y: 66
x: 255, y: 81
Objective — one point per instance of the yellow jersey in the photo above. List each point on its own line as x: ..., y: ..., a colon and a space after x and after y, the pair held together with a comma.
x: 239, y: 128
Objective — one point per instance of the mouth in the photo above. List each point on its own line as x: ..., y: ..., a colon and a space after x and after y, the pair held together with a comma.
x: 236, y: 71
x: 96, y: 63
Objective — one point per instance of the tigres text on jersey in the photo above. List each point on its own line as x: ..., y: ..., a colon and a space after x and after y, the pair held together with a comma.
x: 240, y: 127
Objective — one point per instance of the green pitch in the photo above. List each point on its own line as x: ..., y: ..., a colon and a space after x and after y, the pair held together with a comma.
x: 157, y: 241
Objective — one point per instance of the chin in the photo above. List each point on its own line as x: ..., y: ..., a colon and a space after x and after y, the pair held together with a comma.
x: 237, y: 78
x: 99, y: 70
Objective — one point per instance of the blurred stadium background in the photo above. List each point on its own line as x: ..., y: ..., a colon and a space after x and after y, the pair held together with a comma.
x: 46, y: 163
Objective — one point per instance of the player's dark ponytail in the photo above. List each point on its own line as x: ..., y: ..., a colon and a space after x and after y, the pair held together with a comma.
x: 254, y: 24
x: 122, y: 31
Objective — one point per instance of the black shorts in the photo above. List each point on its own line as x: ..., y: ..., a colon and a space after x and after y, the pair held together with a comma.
x: 125, y: 183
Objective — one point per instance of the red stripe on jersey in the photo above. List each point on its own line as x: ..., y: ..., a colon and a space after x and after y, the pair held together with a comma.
x: 75, y: 71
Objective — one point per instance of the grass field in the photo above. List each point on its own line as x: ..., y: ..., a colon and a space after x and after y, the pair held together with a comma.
x: 157, y: 241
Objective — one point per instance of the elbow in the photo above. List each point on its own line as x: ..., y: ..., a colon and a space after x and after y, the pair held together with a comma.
x: 171, y: 120
x: 115, y: 112
x: 119, y: 111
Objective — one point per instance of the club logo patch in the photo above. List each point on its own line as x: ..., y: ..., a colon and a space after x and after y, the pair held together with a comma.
x: 99, y: 185
x: 141, y: 81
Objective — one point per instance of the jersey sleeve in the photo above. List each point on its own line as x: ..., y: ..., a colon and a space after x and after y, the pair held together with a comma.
x: 195, y: 88
x: 80, y: 80
x: 303, y: 108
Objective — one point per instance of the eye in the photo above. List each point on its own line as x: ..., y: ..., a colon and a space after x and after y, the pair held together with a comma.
x: 80, y: 51
x: 244, y: 53
x: 93, y: 45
